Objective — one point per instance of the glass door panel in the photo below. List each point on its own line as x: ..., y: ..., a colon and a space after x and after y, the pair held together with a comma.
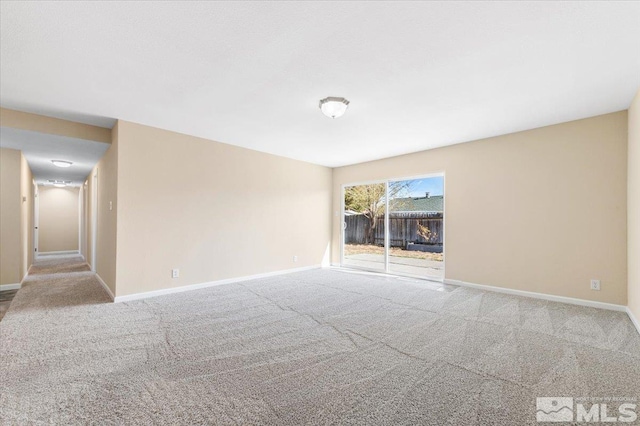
x: 364, y: 226
x: 416, y: 231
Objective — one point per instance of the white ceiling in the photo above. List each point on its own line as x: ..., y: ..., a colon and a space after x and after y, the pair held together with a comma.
x: 418, y: 74
x: 39, y: 149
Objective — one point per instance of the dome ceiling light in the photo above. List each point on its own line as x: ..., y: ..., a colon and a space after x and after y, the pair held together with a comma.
x: 61, y: 163
x: 333, y: 107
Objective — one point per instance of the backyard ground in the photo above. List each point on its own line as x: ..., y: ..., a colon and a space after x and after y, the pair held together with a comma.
x: 353, y: 249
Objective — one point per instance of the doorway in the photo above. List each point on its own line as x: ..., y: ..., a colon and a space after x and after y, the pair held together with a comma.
x: 395, y: 226
x: 36, y: 219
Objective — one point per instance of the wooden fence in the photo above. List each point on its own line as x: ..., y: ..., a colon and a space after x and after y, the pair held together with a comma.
x: 403, y: 228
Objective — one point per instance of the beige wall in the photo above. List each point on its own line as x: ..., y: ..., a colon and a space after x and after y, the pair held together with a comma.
x: 542, y: 210
x: 633, y: 206
x: 214, y: 211
x: 106, y: 233
x: 26, y: 215
x: 58, y: 222
x: 101, y: 188
x: 40, y: 123
x: 10, y: 217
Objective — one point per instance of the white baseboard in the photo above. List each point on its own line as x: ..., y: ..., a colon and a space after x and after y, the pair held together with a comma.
x: 155, y: 293
x: 633, y: 319
x: 543, y: 296
x: 55, y: 254
x: 105, y: 286
x: 5, y: 287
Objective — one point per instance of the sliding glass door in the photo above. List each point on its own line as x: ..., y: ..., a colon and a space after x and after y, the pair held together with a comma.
x: 416, y: 230
x: 395, y: 226
x: 364, y: 226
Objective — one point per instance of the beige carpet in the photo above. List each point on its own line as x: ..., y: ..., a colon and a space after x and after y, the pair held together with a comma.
x: 316, y: 347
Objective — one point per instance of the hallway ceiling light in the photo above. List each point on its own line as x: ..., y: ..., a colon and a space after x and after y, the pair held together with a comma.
x: 60, y: 183
x: 333, y: 107
x: 61, y: 163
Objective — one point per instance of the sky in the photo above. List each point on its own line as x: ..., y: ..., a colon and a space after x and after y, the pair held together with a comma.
x: 433, y: 185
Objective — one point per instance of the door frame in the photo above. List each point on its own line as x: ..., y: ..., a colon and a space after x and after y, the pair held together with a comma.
x: 36, y: 220
x: 386, y: 225
x: 80, y: 219
x: 94, y: 219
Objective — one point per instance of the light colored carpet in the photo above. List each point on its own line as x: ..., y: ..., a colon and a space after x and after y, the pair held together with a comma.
x: 316, y: 347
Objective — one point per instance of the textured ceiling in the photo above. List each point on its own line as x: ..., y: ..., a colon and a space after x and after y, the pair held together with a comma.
x: 418, y: 74
x: 39, y: 149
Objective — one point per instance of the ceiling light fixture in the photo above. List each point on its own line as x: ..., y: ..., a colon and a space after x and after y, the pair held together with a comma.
x: 58, y: 183
x: 61, y: 163
x: 333, y: 107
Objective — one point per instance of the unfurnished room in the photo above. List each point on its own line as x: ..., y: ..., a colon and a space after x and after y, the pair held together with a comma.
x: 319, y: 213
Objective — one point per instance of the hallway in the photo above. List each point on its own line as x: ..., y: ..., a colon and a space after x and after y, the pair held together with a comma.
x: 58, y: 282
x: 55, y: 281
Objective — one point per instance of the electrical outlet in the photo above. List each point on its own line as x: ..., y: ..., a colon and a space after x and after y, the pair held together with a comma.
x: 295, y: 258
x: 595, y: 285
x: 175, y: 273
x: 110, y: 205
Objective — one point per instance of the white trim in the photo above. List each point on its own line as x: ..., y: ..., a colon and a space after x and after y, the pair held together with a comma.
x: 199, y: 286
x: 343, y: 224
x: 58, y: 253
x: 80, y: 217
x: 543, y: 296
x: 633, y: 319
x: 387, y: 230
x: 36, y: 220
x: 5, y: 287
x: 105, y: 286
x: 94, y: 220
x: 393, y: 179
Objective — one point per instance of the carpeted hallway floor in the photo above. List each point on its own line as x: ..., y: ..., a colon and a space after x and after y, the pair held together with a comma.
x: 316, y: 347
